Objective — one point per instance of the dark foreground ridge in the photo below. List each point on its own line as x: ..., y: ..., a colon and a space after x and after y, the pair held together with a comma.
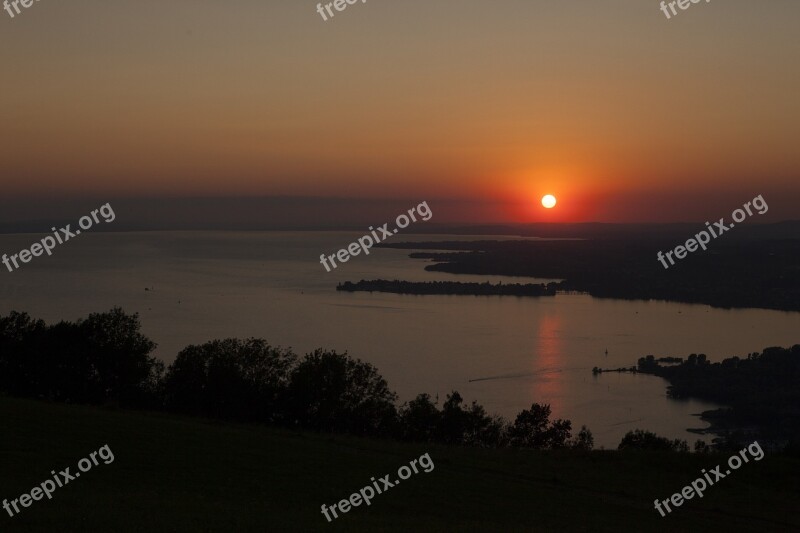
x: 185, y: 475
x: 449, y: 287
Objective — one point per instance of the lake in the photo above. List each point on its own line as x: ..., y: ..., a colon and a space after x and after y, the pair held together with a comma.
x: 504, y: 352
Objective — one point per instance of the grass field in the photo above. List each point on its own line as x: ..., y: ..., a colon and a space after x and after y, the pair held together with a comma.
x: 186, y: 475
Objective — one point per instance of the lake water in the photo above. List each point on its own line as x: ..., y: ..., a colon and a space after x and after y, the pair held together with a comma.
x: 208, y: 285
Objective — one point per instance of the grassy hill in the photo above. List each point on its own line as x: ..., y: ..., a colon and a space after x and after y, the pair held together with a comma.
x: 180, y: 474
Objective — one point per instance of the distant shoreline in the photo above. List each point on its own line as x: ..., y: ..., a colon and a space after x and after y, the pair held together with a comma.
x: 741, y: 272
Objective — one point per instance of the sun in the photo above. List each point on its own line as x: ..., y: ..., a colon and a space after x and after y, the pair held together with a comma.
x: 549, y: 201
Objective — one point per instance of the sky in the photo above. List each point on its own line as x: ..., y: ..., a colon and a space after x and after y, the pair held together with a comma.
x: 480, y: 107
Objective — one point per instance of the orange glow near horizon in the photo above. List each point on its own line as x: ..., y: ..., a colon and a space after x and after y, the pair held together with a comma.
x: 265, y: 100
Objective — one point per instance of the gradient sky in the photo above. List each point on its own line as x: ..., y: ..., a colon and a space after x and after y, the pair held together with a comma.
x: 622, y: 114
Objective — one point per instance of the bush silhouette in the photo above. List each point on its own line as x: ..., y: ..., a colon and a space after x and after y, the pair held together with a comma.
x: 647, y: 440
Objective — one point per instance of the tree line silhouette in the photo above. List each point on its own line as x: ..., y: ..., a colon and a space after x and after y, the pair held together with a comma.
x: 104, y: 359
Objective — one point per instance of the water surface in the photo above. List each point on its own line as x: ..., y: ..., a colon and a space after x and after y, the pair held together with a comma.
x: 504, y: 352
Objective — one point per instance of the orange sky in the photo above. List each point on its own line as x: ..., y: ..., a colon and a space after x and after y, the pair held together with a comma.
x: 607, y: 105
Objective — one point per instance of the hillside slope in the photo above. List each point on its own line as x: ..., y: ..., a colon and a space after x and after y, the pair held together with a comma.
x: 187, y: 475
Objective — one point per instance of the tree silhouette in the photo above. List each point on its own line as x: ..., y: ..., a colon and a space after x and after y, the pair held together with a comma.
x: 103, y: 358
x: 329, y: 391
x: 533, y: 429
x: 230, y: 378
x: 419, y: 419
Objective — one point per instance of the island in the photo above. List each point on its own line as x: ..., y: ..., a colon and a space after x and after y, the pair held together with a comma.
x: 450, y: 287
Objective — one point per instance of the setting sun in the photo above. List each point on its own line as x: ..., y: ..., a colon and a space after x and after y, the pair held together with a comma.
x: 549, y: 201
